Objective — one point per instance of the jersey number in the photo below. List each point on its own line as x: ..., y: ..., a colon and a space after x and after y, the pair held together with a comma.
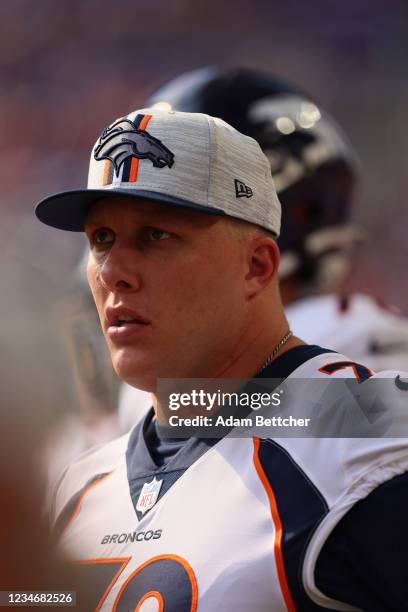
x: 167, y: 578
x: 360, y: 371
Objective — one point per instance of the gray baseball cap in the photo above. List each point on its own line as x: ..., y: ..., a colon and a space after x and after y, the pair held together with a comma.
x: 181, y: 159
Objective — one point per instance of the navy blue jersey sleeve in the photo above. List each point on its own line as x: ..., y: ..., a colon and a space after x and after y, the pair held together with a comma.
x: 364, y: 561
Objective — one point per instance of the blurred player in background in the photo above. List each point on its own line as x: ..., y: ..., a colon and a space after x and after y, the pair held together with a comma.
x: 315, y: 171
x: 93, y: 418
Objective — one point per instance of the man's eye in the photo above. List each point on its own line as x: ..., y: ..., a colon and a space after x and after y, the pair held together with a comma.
x: 158, y: 234
x: 103, y: 236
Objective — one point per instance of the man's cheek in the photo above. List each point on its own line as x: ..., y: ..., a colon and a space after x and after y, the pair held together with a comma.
x: 92, y: 282
x: 98, y: 299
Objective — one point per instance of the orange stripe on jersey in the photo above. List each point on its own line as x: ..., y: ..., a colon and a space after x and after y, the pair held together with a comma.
x: 280, y: 565
x: 134, y: 167
x: 80, y: 500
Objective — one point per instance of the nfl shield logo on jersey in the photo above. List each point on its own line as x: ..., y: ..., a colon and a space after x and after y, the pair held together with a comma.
x: 148, y: 495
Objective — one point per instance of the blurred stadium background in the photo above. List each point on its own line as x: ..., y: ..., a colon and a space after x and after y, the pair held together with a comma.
x: 68, y: 67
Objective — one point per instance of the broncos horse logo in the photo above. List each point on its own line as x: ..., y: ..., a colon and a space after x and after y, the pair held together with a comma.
x: 123, y: 139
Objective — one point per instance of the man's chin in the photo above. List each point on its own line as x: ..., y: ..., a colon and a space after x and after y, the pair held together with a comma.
x: 136, y: 372
x: 143, y: 384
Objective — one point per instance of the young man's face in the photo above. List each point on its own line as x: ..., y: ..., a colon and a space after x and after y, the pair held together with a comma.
x: 169, y: 286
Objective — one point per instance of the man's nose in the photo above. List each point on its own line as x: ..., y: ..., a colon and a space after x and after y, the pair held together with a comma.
x: 120, y: 270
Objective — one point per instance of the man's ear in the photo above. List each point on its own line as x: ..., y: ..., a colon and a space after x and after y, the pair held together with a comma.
x: 262, y: 265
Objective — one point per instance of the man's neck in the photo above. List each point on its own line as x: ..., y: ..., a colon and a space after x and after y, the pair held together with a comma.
x: 245, y: 365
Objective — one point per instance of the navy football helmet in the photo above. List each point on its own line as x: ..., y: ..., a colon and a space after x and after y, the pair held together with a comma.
x: 312, y: 162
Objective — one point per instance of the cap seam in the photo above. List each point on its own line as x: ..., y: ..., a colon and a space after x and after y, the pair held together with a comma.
x: 210, y: 142
x: 275, y: 200
x: 142, y: 187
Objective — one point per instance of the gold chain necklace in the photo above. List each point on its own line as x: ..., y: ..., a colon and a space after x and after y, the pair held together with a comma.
x: 276, y: 349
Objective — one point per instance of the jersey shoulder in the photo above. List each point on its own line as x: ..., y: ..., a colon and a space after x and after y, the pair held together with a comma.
x: 337, y: 471
x: 359, y: 422
x: 344, y: 390
x: 331, y: 364
x: 89, y: 467
x: 358, y: 325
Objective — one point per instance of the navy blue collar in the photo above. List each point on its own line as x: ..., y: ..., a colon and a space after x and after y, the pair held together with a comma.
x: 288, y: 362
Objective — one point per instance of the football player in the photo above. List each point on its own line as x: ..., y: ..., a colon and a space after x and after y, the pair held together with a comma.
x: 182, y: 218
x: 93, y: 418
x: 315, y: 171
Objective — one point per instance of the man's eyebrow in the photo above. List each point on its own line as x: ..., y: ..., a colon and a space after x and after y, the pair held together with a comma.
x: 173, y: 214
x: 91, y: 222
x: 145, y: 220
x: 188, y: 219
x: 93, y: 219
x: 146, y: 212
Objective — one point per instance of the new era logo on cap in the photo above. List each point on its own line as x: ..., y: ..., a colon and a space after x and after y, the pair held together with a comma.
x: 179, y: 159
x: 242, y: 190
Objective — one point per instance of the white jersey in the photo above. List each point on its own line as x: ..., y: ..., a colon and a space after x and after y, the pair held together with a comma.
x: 356, y: 326
x: 70, y: 438
x: 232, y: 525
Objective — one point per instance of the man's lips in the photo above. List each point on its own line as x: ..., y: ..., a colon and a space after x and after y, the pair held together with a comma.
x: 121, y: 322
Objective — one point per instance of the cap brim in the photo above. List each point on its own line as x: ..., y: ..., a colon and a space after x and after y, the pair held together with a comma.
x: 68, y: 210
